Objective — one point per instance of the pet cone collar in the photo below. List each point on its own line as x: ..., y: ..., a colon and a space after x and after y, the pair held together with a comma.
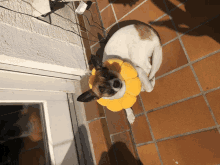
x: 132, y: 82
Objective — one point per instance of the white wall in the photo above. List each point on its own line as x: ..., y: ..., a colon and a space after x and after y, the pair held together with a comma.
x: 25, y: 37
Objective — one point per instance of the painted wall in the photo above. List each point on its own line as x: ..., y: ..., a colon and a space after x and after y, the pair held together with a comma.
x: 26, y: 37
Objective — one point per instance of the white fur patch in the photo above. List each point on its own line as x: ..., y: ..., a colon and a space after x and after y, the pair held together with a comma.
x: 130, y: 115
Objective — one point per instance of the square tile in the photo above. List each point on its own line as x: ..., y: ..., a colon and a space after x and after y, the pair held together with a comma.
x: 148, y: 154
x: 200, y: 148
x: 176, y: 86
x: 148, y: 12
x: 166, y: 34
x: 213, y: 99
x: 203, y: 40
x: 122, y: 8
x: 100, y: 138
x: 108, y: 17
x: 117, y: 121
x: 125, y: 152
x: 173, y: 57
x: 137, y: 107
x: 102, y: 4
x: 180, y: 118
x: 208, y: 71
x: 93, y: 110
x: 140, y: 130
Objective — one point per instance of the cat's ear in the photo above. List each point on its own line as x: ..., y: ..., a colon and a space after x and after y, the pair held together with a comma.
x: 87, y: 96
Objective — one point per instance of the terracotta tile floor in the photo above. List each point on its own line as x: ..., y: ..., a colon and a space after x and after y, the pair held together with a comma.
x: 179, y: 121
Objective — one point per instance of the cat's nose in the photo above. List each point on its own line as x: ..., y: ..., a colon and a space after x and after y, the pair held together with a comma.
x: 117, y: 84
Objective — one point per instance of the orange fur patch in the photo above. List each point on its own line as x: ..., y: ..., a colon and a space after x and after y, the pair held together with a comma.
x: 144, y: 31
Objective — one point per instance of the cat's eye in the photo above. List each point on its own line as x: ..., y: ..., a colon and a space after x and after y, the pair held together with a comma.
x: 111, y: 91
x: 105, y: 76
x: 111, y: 77
x: 101, y: 89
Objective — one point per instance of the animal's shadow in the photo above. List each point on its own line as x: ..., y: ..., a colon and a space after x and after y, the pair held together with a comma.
x: 122, y: 153
x: 124, y: 2
x: 196, y: 12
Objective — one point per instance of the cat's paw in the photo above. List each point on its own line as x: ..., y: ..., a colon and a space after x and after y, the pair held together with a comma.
x: 131, y: 118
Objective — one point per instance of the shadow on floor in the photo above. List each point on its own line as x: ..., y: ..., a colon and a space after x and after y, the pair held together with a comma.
x: 124, y: 2
x: 122, y: 153
x: 196, y: 12
x: 119, y: 149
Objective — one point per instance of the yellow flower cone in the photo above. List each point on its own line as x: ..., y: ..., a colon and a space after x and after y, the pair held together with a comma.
x: 133, y: 85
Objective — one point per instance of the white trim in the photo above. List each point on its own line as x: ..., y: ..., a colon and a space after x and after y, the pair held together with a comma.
x: 23, y: 81
x: 49, y: 134
x: 21, y: 69
x: 42, y: 66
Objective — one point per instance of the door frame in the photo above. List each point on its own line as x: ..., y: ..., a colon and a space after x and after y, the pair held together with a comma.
x: 57, y: 80
x: 23, y: 84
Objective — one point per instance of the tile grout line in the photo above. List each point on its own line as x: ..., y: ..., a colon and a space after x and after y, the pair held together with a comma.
x: 133, y: 141
x: 191, y: 62
x: 81, y: 39
x: 178, y: 101
x: 192, y: 69
x: 198, y: 82
x: 113, y: 10
x: 151, y: 131
x: 203, y: 23
x: 179, y: 135
x: 100, y: 17
x: 211, y: 90
x: 87, y: 33
x: 169, y: 14
x: 133, y: 10
x: 187, y: 133
x: 176, y: 7
x: 172, y: 40
x: 105, y: 8
x: 111, y: 26
x: 112, y: 141
x: 113, y: 134
x: 95, y: 119
x: 94, y: 45
x: 173, y: 103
